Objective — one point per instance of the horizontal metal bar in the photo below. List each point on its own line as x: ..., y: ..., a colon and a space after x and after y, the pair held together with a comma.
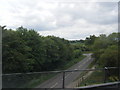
x: 45, y: 72
x: 99, y: 85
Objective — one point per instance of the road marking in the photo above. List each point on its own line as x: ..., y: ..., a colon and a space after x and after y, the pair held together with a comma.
x: 84, y: 63
x: 80, y: 65
x: 75, y: 69
x: 67, y: 75
x: 54, y: 85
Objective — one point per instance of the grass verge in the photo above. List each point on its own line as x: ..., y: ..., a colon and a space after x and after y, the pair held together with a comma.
x: 96, y: 77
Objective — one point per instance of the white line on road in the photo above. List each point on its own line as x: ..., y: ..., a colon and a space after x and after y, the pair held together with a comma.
x: 80, y: 66
x: 75, y: 69
x: 54, y: 85
x: 67, y: 75
x: 84, y: 62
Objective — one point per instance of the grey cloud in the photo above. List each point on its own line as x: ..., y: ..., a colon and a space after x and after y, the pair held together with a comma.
x: 51, y: 17
x: 102, y: 15
x: 111, y: 5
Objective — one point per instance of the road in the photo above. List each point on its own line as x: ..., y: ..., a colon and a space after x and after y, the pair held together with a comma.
x: 57, y: 81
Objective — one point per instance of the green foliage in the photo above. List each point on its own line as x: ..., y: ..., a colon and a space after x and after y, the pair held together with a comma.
x: 77, y: 53
x: 101, y: 42
x: 26, y: 51
x: 106, y: 49
x: 97, y: 77
x: 110, y: 57
x: 97, y: 54
x: 90, y: 40
x: 114, y: 38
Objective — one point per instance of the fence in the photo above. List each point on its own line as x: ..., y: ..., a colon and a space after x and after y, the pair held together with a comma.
x: 61, y: 79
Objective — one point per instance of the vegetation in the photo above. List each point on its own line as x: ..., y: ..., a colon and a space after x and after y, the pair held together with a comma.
x: 105, y: 53
x: 96, y: 77
x: 26, y: 51
x: 71, y: 63
x: 106, y: 50
x: 38, y: 79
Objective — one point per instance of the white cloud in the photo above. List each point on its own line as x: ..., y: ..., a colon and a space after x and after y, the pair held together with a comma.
x: 70, y: 20
x: 80, y: 31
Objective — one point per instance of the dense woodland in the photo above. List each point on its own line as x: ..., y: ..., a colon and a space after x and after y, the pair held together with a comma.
x: 104, y: 48
x: 26, y: 51
x: 106, y: 53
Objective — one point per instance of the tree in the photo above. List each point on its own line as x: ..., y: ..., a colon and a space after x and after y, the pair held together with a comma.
x: 100, y: 43
x: 110, y: 57
x: 90, y: 40
x: 26, y: 51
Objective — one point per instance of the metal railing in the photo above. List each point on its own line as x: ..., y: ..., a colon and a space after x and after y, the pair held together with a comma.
x: 15, y: 80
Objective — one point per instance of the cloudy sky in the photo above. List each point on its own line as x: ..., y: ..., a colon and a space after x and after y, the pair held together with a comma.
x: 70, y: 20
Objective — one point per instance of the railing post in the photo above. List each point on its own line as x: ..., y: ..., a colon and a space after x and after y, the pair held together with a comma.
x: 63, y: 80
x: 105, y: 74
x: 118, y: 71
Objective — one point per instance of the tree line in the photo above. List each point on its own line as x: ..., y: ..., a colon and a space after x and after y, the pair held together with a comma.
x: 106, y: 53
x: 26, y: 51
x: 105, y: 50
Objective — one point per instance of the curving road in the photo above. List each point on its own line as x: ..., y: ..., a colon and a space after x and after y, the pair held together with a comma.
x: 57, y: 81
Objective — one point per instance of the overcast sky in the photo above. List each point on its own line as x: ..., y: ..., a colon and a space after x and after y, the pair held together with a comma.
x: 69, y: 20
